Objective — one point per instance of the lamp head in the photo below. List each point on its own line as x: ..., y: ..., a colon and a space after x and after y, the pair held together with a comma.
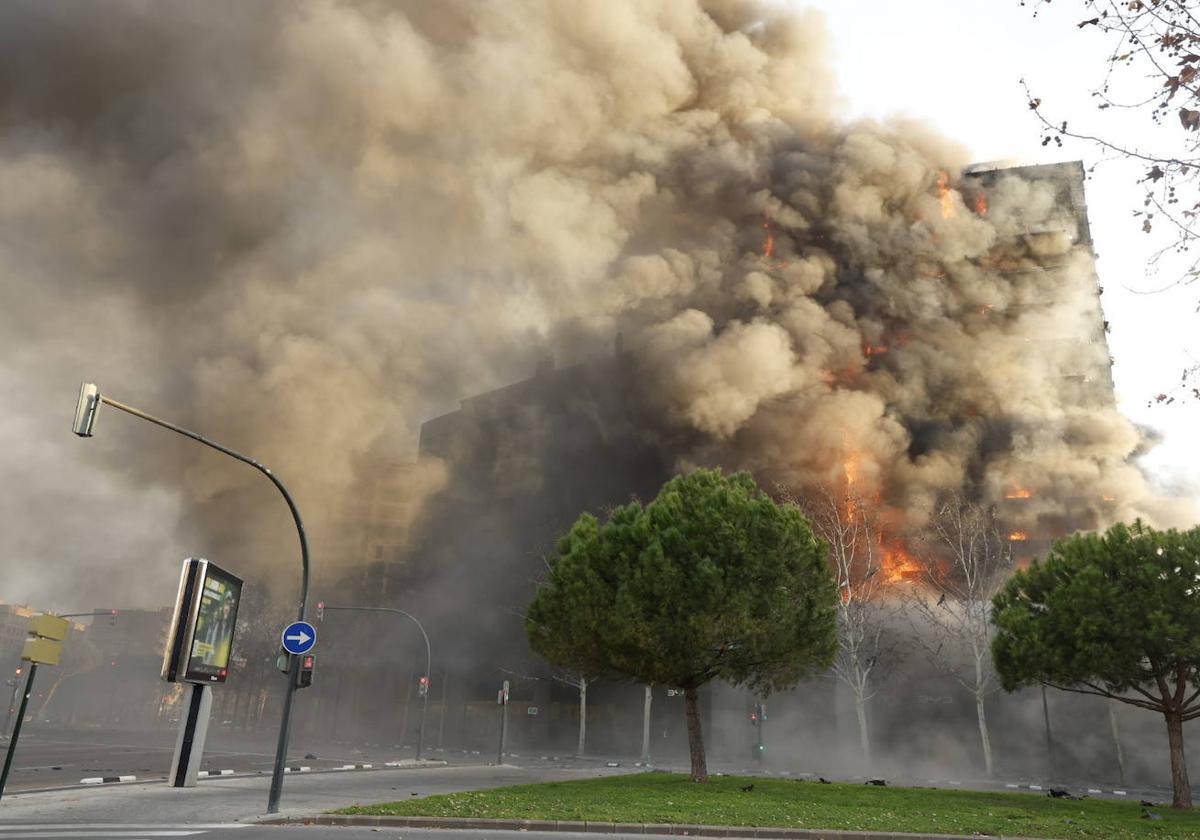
x: 85, y: 411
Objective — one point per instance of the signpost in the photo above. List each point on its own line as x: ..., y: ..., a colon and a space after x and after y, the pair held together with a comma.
x: 43, y: 647
x: 198, y: 652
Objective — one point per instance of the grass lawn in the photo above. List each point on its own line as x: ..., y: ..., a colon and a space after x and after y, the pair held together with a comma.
x: 671, y: 798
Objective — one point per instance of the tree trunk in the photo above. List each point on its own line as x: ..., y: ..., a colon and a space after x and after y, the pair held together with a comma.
x: 983, y: 734
x: 1116, y: 733
x: 864, y: 736
x: 582, y: 717
x: 646, y: 725
x: 695, y: 736
x: 1181, y: 788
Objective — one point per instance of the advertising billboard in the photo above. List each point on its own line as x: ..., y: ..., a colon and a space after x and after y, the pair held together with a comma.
x: 200, y: 643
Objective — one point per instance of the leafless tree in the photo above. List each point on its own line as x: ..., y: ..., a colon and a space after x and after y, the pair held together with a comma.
x: 966, y: 560
x: 849, y: 524
x: 1151, y: 70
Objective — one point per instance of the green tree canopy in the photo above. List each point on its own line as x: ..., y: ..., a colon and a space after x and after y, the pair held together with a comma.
x: 711, y: 580
x: 1115, y: 615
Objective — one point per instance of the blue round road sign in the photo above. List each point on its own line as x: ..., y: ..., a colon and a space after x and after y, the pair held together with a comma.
x: 299, y: 637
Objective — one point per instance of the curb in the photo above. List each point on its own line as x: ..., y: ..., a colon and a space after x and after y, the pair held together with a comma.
x: 204, y: 774
x: 106, y: 780
x: 297, y: 769
x: 592, y: 827
x: 1090, y: 790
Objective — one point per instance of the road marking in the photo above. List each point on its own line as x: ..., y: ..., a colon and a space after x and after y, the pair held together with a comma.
x: 43, y: 767
x: 113, y: 826
x: 91, y: 833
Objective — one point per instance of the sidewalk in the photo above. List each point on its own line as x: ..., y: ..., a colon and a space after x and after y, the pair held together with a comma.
x: 244, y: 799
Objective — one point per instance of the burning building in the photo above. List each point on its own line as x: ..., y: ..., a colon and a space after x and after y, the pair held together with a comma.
x: 983, y: 371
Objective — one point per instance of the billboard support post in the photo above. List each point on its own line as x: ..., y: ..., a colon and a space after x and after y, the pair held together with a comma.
x: 193, y: 730
x: 12, y: 744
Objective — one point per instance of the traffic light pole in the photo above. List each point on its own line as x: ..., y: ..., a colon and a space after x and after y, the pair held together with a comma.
x: 428, y: 660
x: 12, y: 744
x: 85, y: 417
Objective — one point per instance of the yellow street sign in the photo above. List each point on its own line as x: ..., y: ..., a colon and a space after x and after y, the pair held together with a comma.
x: 49, y: 627
x: 42, y: 651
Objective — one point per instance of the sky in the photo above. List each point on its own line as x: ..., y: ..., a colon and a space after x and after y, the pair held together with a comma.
x: 959, y: 67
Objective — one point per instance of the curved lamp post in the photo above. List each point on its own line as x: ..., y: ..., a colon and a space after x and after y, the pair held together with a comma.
x: 90, y: 400
x: 428, y: 659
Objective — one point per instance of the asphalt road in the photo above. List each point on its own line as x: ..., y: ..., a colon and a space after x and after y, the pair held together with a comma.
x: 244, y: 799
x: 48, y: 758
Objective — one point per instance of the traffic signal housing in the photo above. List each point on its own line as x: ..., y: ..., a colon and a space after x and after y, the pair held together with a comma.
x: 423, y: 686
x: 304, y: 677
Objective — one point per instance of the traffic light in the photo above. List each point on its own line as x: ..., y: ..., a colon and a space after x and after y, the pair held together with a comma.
x: 304, y: 677
x: 112, y: 619
x: 320, y: 610
x: 754, y: 718
x: 423, y: 687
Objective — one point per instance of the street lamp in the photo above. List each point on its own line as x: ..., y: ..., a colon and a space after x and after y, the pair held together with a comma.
x: 90, y: 400
x: 424, y: 685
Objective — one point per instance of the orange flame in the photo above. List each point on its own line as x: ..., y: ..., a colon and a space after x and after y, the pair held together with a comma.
x: 850, y: 467
x: 769, y: 245
x: 945, y: 194
x: 1019, y: 493
x: 981, y: 204
x: 1018, y: 536
x: 874, y: 349
x: 898, y: 564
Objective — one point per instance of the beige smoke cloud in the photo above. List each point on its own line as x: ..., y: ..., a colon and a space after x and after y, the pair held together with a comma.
x: 306, y: 228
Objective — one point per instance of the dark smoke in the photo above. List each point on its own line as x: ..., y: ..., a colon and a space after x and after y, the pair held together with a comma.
x: 304, y: 229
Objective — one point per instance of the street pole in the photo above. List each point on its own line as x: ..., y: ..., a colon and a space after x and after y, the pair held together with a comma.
x: 428, y: 662
x: 12, y: 744
x: 759, y: 751
x: 421, y: 728
x: 442, y: 713
x: 503, y: 723
x: 90, y: 400
x: 646, y: 725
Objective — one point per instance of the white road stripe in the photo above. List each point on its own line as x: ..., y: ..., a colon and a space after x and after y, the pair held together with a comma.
x: 89, y: 833
x: 113, y: 826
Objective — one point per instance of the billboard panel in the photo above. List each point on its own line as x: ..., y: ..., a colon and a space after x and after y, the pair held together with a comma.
x: 201, y: 639
x: 216, y: 619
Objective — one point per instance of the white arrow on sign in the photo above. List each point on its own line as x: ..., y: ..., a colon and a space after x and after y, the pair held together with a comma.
x: 301, y: 637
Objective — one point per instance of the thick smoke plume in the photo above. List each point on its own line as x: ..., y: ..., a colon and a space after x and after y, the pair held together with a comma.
x: 305, y: 228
